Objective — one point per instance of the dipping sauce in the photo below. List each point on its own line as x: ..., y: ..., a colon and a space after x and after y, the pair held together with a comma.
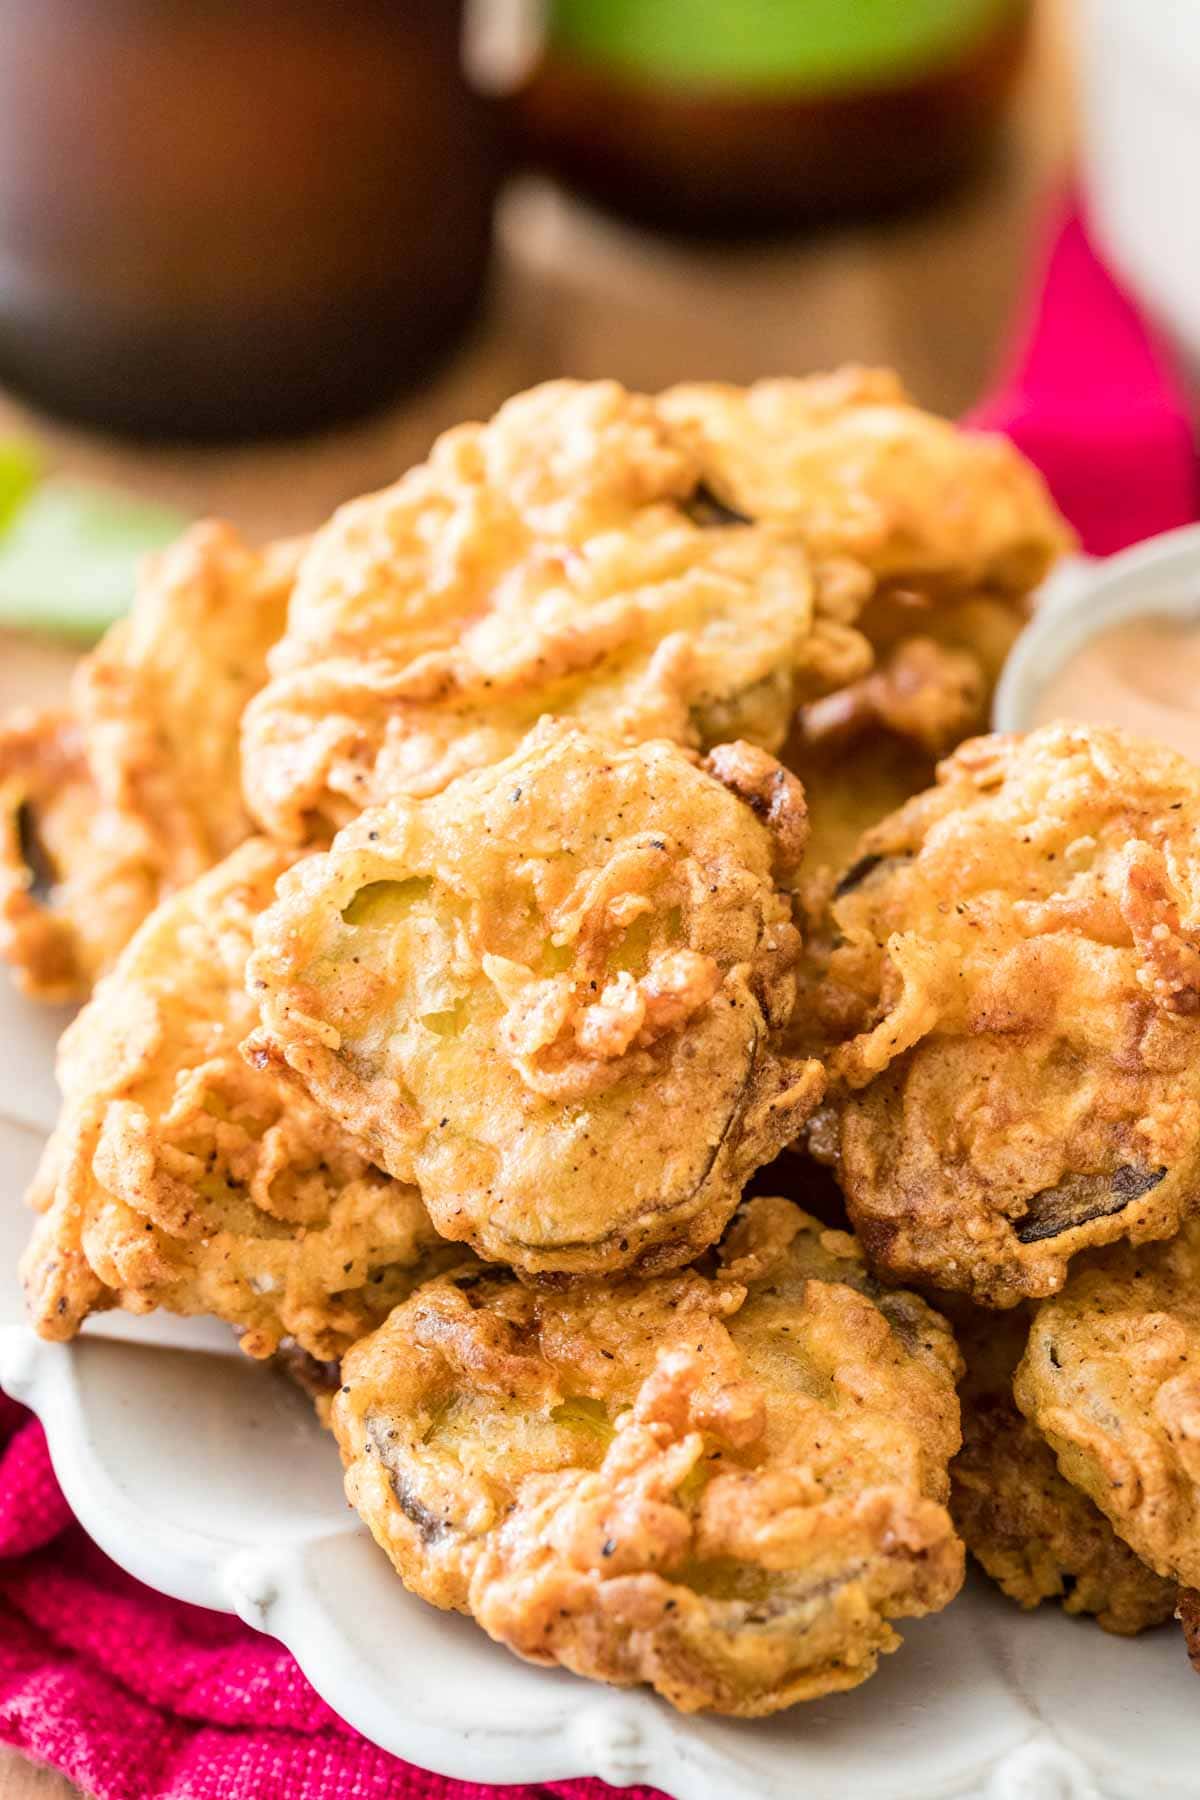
x: 1144, y: 676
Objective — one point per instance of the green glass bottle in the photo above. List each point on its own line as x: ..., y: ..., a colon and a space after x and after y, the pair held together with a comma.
x: 740, y: 115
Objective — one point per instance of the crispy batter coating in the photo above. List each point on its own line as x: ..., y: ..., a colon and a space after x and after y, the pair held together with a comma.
x: 602, y: 555
x: 1188, y: 1614
x: 66, y: 904
x: 864, y: 749
x: 1019, y: 960
x: 953, y: 528
x: 1038, y: 1537
x: 853, y: 466
x: 135, y: 788
x: 181, y: 1177
x: 565, y: 558
x: 551, y: 995
x: 725, y: 1485
x: 1111, y: 1378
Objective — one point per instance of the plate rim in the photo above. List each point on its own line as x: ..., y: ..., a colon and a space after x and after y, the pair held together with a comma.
x: 624, y: 1737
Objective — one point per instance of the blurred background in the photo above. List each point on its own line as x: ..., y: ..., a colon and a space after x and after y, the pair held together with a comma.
x: 255, y: 254
x: 244, y: 244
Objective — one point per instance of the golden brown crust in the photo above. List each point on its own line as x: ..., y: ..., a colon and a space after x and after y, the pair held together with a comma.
x: 928, y: 694
x: 1022, y: 1076
x: 590, y: 553
x: 135, y: 789
x: 561, y: 559
x: 180, y: 1177
x: 551, y: 996
x: 1188, y: 1614
x: 723, y: 1485
x: 852, y: 465
x: 1111, y: 1378
x: 48, y: 806
x: 771, y: 792
x: 1038, y: 1537
x: 865, y: 748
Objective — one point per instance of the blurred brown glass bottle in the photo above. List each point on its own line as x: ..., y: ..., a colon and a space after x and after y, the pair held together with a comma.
x: 230, y: 218
x: 738, y: 116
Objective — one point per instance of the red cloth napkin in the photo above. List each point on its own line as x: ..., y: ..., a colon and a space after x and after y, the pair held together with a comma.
x: 140, y: 1698
x: 136, y: 1697
x: 1092, y: 397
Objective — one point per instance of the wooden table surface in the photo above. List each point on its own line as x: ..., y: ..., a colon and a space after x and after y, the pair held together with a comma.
x: 575, y: 294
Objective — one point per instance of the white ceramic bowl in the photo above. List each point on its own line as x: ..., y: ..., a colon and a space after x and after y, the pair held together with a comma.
x: 1086, y: 597
x: 1139, y: 66
x: 207, y: 1477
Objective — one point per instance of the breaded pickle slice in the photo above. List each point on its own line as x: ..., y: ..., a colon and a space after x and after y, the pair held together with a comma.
x: 725, y: 1484
x: 1038, y: 1537
x: 1111, y: 1378
x: 692, y: 565
x: 551, y: 995
x: 1018, y: 978
x: 135, y: 788
x: 181, y: 1177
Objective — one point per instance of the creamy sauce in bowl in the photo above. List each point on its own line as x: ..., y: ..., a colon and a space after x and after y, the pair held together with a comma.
x: 1143, y: 676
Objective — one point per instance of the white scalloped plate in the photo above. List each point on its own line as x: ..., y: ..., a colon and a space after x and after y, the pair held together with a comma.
x: 208, y: 1478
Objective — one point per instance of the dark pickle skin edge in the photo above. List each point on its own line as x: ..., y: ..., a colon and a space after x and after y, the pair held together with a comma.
x: 1127, y: 1184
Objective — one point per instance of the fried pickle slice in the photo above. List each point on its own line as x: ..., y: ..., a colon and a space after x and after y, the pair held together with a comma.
x: 849, y: 463
x: 953, y: 528
x: 1018, y: 978
x: 864, y: 749
x: 589, y: 553
x: 725, y: 1485
x: 551, y: 995
x: 1111, y: 1378
x: 135, y: 788
x: 1037, y: 1536
x: 181, y: 1177
x: 563, y: 559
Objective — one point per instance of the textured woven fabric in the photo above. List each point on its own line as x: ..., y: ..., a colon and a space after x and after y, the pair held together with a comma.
x: 1092, y: 395
x: 140, y: 1698
x: 136, y: 1697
